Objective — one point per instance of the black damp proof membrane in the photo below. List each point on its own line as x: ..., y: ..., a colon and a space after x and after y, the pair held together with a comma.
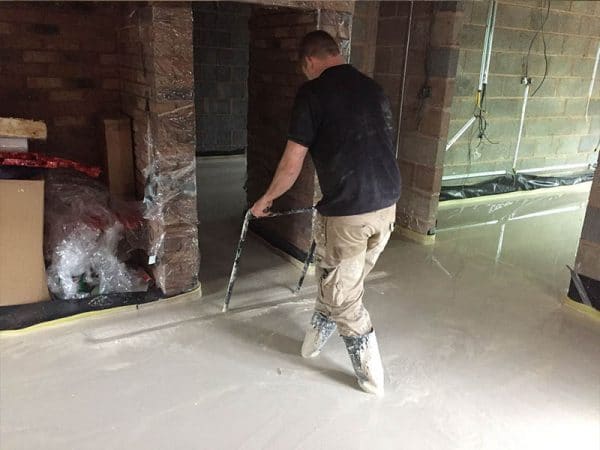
x: 15, y: 317
x: 511, y: 183
x: 592, y: 289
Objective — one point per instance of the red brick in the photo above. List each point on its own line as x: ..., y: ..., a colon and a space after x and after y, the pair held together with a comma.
x: 41, y: 57
x: 11, y: 81
x: 6, y: 28
x: 67, y: 96
x: 111, y: 84
x: 24, y: 70
x: 407, y: 171
x: 98, y: 45
x: 44, y: 82
x: 435, y: 122
x: 428, y: 179
x: 70, y: 121
x: 442, y: 91
x: 66, y: 70
x: 110, y: 59
x: 388, y: 9
x: 446, y: 29
x: 392, y: 31
x: 59, y: 43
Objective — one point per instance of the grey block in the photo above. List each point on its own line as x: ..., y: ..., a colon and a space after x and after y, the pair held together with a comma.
x: 576, y: 45
x: 548, y: 89
x: 465, y: 86
x: 588, y: 144
x: 224, y: 56
x: 575, y: 107
x: 220, y: 106
x: 239, y: 107
x: 594, y: 108
x: 223, y: 73
x: 565, y: 145
x: 503, y: 107
x: 572, y: 87
x: 208, y: 73
x: 239, y: 74
x: 584, y: 7
x: 512, y: 87
x: 239, y: 138
x: 514, y: 16
x: 506, y: 63
x: 545, y: 107
x: 240, y: 57
x: 205, y: 55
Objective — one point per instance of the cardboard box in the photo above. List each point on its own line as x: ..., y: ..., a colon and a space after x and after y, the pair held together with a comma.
x: 119, y: 157
x: 22, y: 271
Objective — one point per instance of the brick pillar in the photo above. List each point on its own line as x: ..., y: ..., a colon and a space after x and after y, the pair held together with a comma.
x: 587, y: 264
x: 156, y: 66
x: 171, y: 186
x: 429, y: 87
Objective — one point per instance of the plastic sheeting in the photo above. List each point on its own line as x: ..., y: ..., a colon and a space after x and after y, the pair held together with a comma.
x: 83, y: 236
x: 511, y: 183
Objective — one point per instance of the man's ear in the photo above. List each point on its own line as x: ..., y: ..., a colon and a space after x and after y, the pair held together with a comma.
x: 310, y: 62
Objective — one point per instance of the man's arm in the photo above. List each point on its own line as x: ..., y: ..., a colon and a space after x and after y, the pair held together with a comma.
x: 286, y: 175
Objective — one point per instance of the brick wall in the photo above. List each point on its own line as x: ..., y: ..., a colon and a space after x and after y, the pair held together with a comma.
x: 429, y: 87
x: 221, y: 52
x: 555, y: 130
x: 587, y: 264
x: 275, y: 76
x: 58, y: 64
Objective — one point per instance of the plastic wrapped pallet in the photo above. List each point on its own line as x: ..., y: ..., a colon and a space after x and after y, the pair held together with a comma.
x: 82, y: 240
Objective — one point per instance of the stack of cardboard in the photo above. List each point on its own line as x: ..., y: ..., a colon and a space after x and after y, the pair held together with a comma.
x: 22, y: 271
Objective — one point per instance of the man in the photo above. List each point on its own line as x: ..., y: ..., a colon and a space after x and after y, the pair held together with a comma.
x: 343, y: 118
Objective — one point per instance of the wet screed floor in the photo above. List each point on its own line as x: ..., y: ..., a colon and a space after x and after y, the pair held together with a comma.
x: 478, y: 351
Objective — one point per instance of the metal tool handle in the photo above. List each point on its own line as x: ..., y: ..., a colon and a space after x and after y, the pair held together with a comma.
x: 238, y: 253
x: 286, y: 213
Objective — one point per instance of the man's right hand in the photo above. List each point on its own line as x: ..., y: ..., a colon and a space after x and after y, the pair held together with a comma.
x: 261, y: 207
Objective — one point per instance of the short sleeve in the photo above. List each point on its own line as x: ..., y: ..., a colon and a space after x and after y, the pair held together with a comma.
x: 304, y: 122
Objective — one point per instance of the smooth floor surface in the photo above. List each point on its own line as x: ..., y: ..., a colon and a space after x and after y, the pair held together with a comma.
x: 478, y: 350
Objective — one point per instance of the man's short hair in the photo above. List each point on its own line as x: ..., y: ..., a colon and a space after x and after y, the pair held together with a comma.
x: 318, y: 44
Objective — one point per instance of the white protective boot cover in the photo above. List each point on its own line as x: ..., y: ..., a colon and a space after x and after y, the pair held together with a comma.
x: 364, y: 354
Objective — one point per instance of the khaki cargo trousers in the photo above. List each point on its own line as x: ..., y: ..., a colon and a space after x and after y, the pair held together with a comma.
x: 347, y: 248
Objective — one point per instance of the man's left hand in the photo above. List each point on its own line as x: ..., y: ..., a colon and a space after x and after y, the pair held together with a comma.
x: 261, y: 207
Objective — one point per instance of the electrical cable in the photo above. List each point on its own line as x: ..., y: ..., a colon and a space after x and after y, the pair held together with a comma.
x: 537, y: 33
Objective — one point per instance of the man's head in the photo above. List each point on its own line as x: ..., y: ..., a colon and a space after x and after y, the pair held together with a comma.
x: 318, y: 51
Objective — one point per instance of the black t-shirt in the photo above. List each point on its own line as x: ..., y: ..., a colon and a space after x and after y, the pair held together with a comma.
x: 345, y: 120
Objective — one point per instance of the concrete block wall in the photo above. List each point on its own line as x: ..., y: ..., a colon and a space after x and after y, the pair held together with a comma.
x: 58, y: 64
x: 556, y: 131
x: 429, y: 87
x: 221, y: 52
